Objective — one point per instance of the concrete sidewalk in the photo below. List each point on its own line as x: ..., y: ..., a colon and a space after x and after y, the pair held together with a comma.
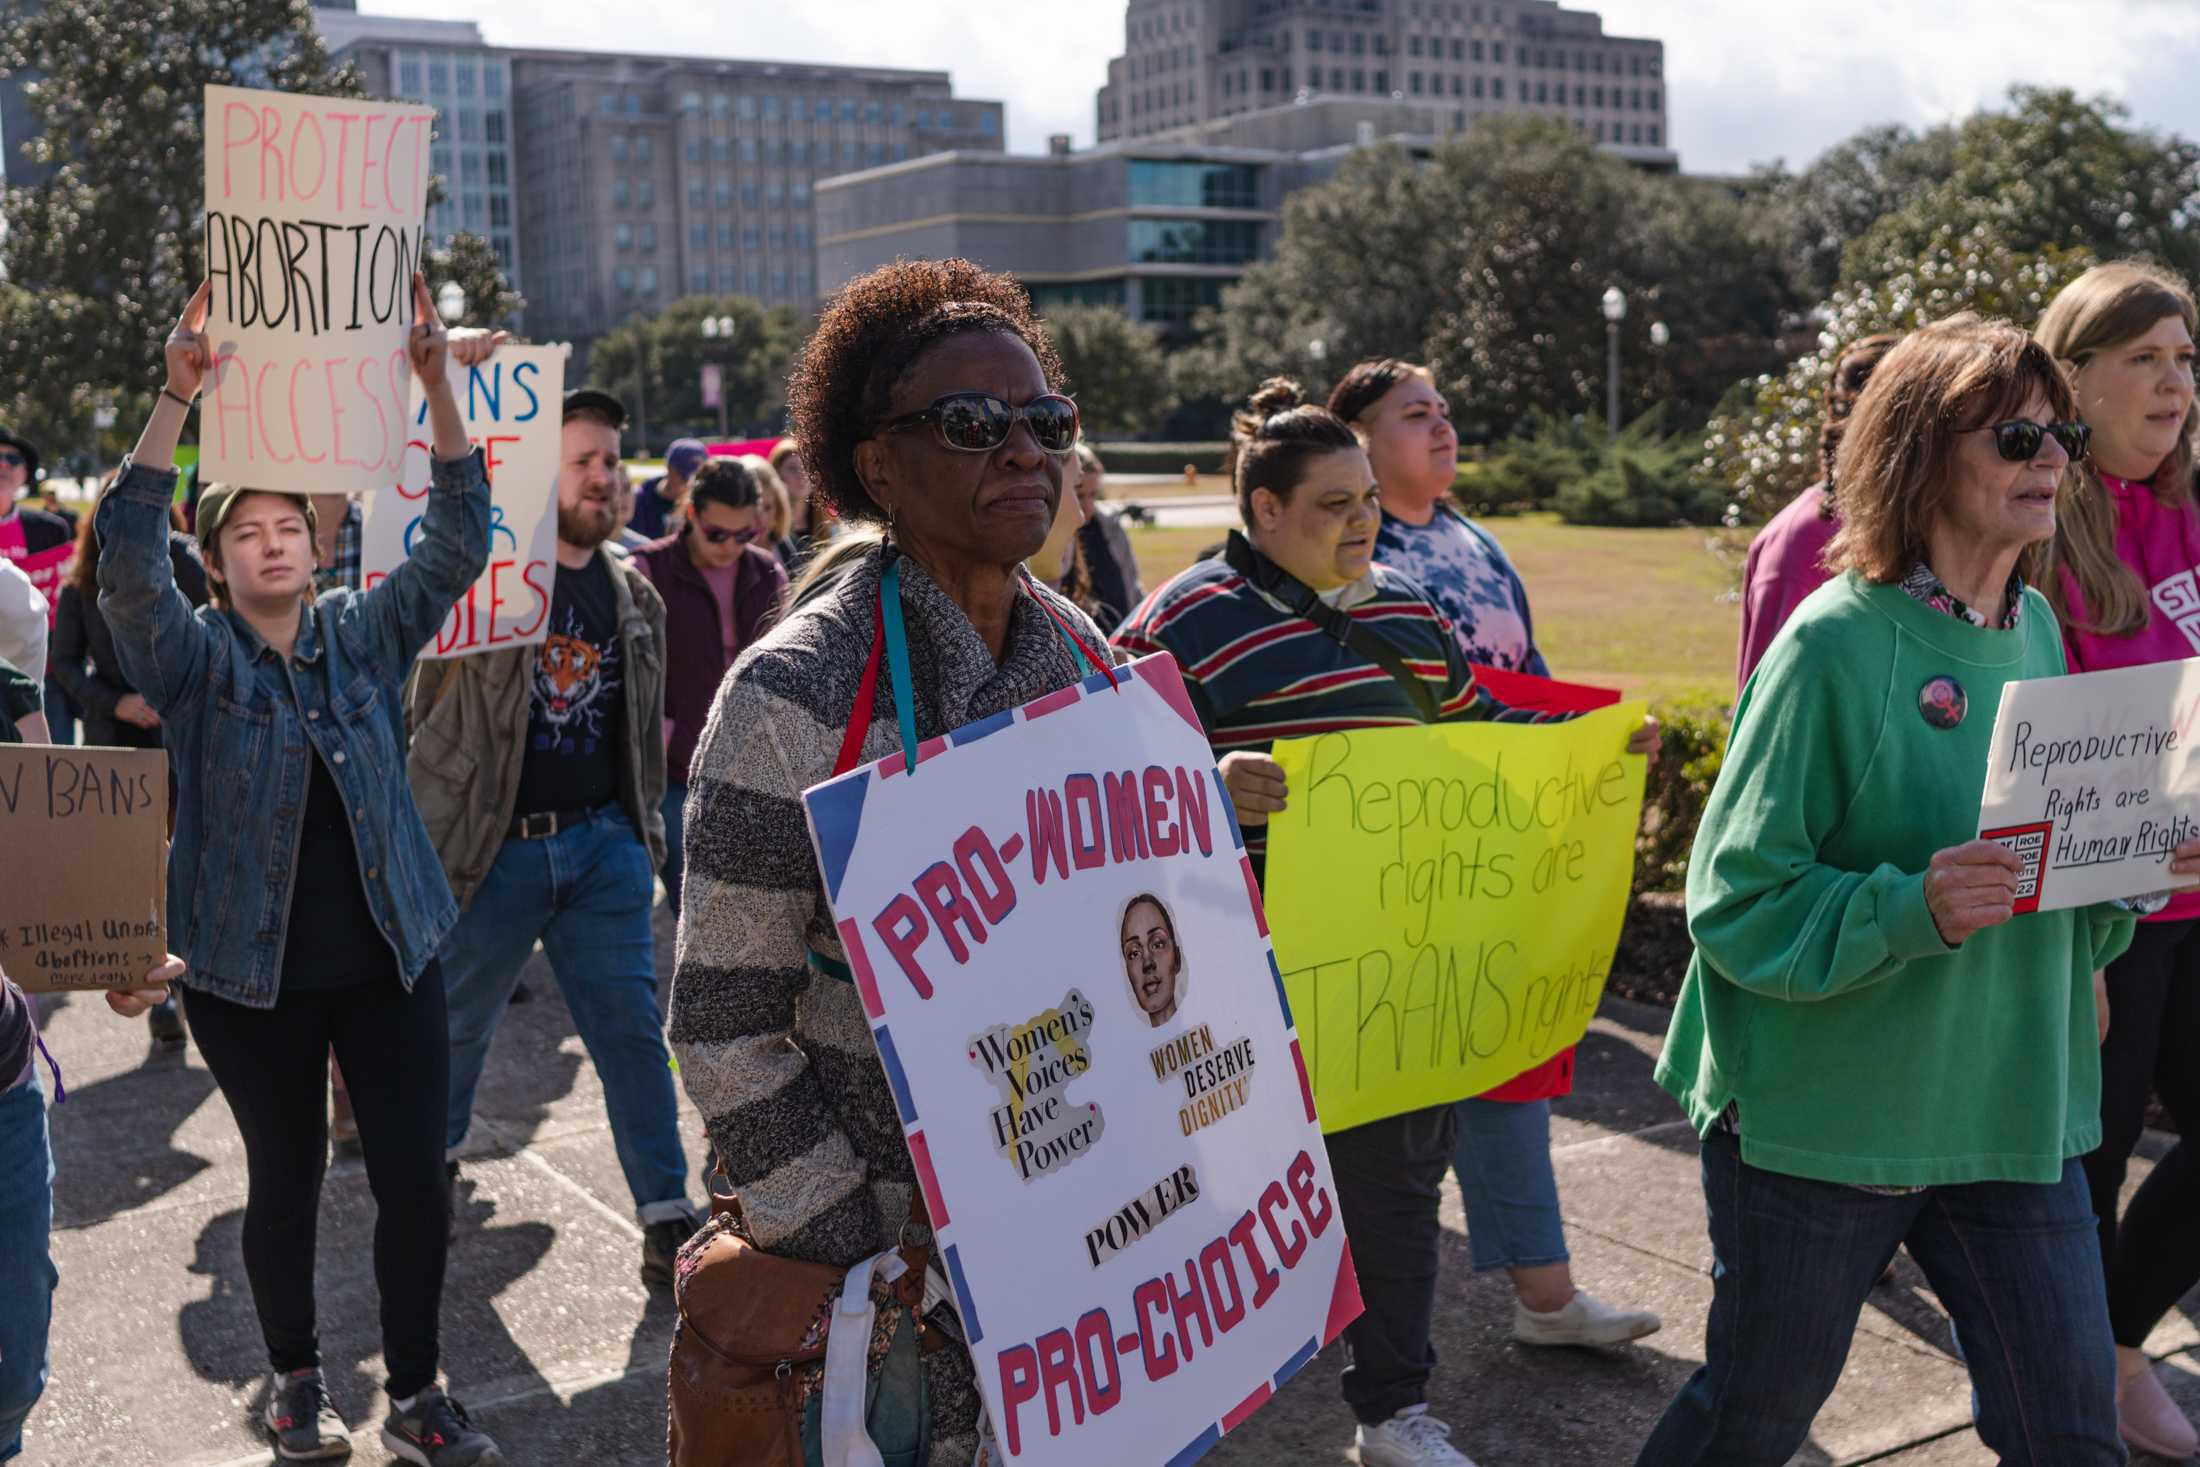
x: 550, y: 1337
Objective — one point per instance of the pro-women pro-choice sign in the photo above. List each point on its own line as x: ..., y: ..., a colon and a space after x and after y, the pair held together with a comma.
x: 2092, y: 781
x: 511, y: 403
x: 1447, y: 900
x: 1066, y: 967
x: 314, y: 214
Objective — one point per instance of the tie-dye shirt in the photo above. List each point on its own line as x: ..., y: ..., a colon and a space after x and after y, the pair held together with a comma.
x: 1466, y: 574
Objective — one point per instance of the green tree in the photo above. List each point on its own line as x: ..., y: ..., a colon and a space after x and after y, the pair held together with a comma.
x: 1846, y: 190
x: 1763, y: 443
x: 1488, y: 262
x: 1116, y: 370
x: 99, y: 259
x: 472, y: 262
x: 656, y: 363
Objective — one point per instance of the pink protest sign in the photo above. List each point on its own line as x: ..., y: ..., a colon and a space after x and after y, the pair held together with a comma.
x: 315, y: 208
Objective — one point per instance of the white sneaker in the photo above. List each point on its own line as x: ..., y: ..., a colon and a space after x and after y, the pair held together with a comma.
x: 1412, y: 1438
x: 1586, y: 1320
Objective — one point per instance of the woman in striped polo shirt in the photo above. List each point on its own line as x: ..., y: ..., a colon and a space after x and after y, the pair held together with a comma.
x: 1295, y: 630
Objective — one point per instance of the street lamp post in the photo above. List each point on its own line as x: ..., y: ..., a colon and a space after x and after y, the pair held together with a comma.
x: 719, y: 328
x: 1615, y: 311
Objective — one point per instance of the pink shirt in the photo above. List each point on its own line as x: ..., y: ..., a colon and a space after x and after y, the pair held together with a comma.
x: 2161, y: 544
x: 1783, y: 568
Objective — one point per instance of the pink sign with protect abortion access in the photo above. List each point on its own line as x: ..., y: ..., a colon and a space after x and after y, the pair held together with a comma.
x: 315, y: 210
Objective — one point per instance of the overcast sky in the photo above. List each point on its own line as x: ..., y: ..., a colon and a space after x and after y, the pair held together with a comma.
x: 1749, y: 80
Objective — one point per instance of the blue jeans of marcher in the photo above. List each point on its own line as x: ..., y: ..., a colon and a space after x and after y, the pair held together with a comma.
x: 2017, y: 1265
x: 586, y: 892
x: 675, y: 807
x: 60, y: 717
x: 1506, y: 1183
x: 27, y: 1276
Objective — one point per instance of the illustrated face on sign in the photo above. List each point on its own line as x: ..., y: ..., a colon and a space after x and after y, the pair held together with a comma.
x: 1152, y: 961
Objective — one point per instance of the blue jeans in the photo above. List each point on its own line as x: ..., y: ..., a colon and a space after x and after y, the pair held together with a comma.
x: 2017, y: 1265
x: 60, y: 719
x: 675, y: 807
x: 27, y: 1276
x: 586, y: 892
x: 1506, y: 1182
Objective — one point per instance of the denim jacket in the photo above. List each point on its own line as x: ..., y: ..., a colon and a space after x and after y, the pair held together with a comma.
x: 236, y: 718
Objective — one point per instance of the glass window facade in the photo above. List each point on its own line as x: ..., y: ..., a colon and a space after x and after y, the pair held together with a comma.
x: 1174, y: 302
x: 1194, y: 185
x: 1194, y: 241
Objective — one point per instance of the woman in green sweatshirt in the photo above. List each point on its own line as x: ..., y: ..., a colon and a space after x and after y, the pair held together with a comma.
x: 1874, y: 1050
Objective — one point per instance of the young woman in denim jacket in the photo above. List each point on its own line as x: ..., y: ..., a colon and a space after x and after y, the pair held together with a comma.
x: 282, y: 719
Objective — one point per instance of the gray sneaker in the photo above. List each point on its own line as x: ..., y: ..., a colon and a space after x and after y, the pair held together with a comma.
x: 305, y: 1426
x: 435, y: 1432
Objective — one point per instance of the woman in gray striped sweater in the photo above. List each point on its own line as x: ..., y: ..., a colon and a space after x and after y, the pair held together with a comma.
x: 925, y: 407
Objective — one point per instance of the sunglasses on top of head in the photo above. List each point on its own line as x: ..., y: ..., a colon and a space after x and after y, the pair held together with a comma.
x: 979, y: 422
x: 2019, y: 439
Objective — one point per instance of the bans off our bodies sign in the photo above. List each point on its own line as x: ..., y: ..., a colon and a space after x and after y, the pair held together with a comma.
x: 1065, y: 964
x: 315, y: 209
x: 511, y: 406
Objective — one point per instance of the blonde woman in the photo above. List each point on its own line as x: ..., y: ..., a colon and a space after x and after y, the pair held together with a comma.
x: 2127, y: 540
x: 777, y: 505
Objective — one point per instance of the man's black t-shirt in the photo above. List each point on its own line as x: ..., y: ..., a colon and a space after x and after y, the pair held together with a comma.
x: 576, y: 702
x: 331, y: 940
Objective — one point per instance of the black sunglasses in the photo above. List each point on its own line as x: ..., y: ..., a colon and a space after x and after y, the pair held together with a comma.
x: 2018, y: 440
x: 12, y: 459
x: 979, y: 422
x: 717, y: 536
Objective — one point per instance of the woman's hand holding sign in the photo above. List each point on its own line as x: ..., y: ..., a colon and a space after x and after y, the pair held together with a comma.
x: 1256, y: 786
x: 431, y: 348
x: 189, y: 356
x: 1971, y: 887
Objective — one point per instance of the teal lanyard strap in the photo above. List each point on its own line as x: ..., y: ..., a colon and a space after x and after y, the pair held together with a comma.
x: 1076, y: 649
x: 897, y: 660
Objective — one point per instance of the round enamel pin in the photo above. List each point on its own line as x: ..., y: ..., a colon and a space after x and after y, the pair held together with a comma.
x: 1942, y: 701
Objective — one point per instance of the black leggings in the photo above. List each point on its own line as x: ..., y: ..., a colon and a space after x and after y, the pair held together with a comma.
x: 2153, y: 1037
x: 272, y: 1066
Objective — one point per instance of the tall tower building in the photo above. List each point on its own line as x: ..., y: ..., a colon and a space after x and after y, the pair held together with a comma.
x: 1190, y: 62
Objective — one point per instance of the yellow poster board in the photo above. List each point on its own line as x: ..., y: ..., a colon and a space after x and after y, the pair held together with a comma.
x: 1445, y: 901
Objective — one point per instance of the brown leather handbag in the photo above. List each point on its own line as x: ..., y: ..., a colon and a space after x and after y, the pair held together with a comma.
x: 748, y: 1349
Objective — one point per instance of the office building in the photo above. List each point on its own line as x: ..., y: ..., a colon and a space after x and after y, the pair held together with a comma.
x: 447, y: 65
x: 1188, y: 62
x: 643, y: 179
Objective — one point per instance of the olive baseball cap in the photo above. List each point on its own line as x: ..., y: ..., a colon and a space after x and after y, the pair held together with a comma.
x: 216, y: 502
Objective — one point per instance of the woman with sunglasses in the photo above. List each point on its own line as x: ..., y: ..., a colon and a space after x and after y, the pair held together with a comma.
x: 1296, y: 629
x: 926, y: 408
x: 1873, y: 1049
x: 722, y: 588
x: 2127, y: 541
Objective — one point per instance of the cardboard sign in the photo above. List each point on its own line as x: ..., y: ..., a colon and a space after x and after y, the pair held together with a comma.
x: 1063, y: 956
x: 511, y: 403
x: 1447, y: 900
x: 85, y: 902
x: 315, y: 212
x: 2092, y: 781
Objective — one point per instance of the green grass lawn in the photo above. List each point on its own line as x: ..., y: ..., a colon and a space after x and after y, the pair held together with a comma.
x: 1646, y: 611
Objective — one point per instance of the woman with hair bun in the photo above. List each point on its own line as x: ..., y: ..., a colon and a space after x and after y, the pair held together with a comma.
x: 2124, y: 560
x: 1506, y: 1182
x: 1296, y: 629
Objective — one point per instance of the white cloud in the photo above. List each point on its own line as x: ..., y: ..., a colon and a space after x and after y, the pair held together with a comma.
x: 1749, y: 80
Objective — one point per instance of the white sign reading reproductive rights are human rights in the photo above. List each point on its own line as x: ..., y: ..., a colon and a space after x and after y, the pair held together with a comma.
x: 2093, y: 781
x: 1061, y: 949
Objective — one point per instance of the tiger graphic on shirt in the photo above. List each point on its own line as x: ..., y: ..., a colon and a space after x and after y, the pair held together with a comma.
x: 573, y: 684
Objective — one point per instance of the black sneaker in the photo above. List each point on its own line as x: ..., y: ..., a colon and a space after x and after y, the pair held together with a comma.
x: 166, y: 1022
x: 661, y: 1246
x: 305, y: 1426
x: 436, y: 1433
